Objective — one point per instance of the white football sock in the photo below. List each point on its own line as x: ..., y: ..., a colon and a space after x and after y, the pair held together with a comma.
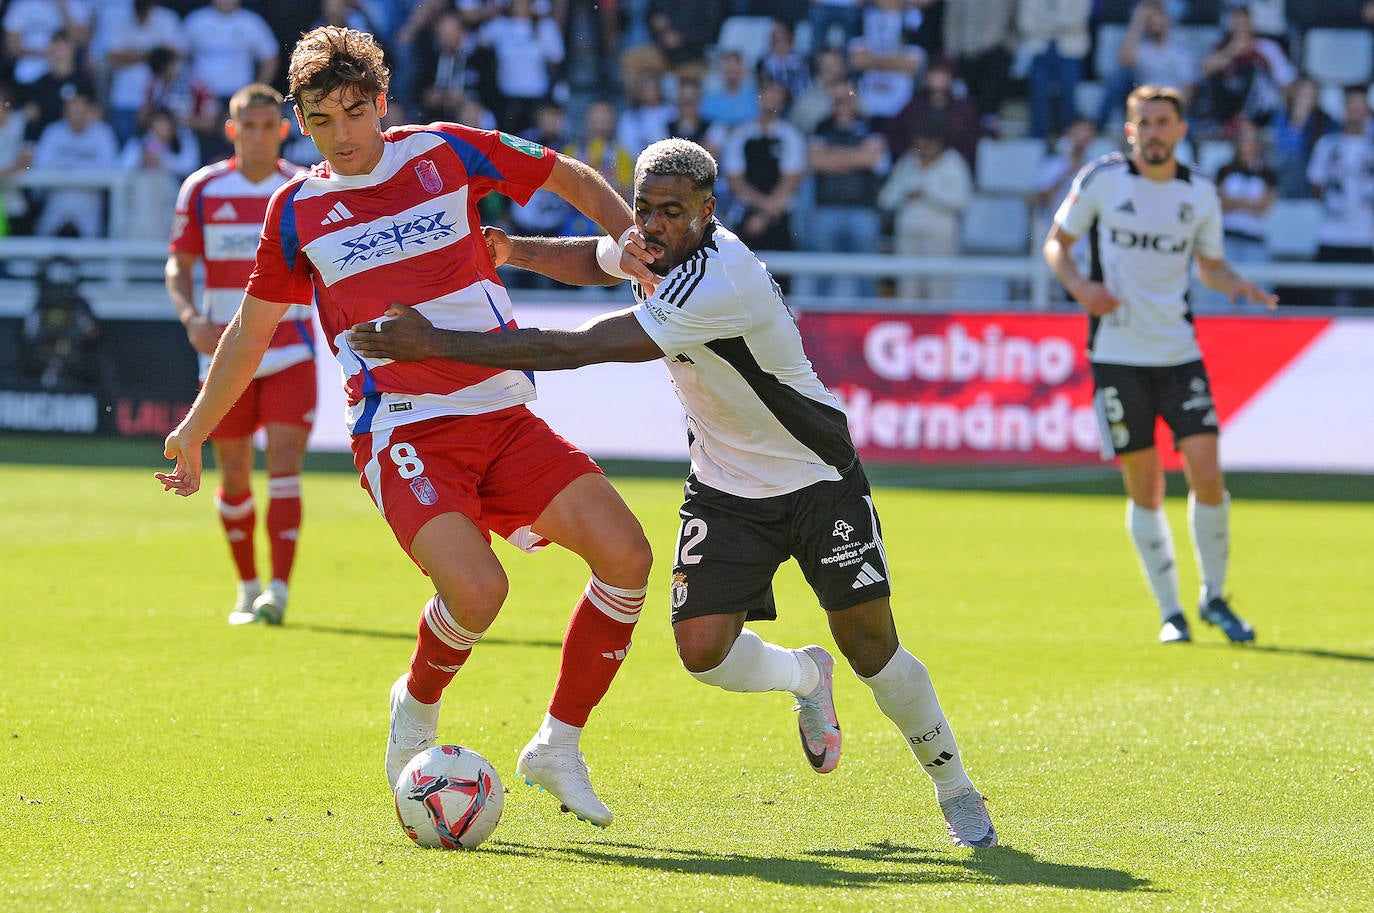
x: 1211, y: 528
x: 557, y: 734
x: 753, y: 665
x: 906, y: 696
x: 1154, y: 547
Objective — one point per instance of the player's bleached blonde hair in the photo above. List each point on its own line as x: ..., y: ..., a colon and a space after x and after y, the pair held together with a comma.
x: 330, y: 58
x: 251, y: 96
x: 678, y: 158
x: 1142, y: 94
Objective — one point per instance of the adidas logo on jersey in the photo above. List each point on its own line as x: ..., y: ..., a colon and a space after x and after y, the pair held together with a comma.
x: 338, y: 213
x: 225, y: 213
x: 1127, y: 206
x: 868, y: 575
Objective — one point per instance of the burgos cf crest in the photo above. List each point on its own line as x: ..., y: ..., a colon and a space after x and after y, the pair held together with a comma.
x: 429, y: 176
x: 424, y: 492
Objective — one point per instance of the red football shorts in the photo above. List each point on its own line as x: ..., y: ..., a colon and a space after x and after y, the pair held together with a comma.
x: 499, y: 469
x: 286, y: 398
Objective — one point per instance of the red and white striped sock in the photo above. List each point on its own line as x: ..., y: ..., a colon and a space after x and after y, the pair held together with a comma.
x: 442, y: 648
x: 594, y: 647
x: 283, y: 523
x: 237, y: 514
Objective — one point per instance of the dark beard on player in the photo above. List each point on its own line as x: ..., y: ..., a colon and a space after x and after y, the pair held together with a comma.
x: 1157, y: 153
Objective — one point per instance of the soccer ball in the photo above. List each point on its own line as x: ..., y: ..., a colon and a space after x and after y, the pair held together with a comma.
x: 449, y: 797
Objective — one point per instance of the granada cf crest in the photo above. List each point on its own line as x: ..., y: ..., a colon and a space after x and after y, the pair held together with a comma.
x: 429, y: 176
x: 424, y: 492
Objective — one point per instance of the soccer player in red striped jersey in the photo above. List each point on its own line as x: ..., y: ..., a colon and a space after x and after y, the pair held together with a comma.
x: 219, y: 216
x: 449, y: 452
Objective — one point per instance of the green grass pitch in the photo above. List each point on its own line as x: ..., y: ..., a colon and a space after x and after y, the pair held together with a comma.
x: 156, y: 759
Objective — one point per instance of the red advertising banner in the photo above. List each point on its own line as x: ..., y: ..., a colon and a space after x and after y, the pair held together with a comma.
x: 1008, y: 389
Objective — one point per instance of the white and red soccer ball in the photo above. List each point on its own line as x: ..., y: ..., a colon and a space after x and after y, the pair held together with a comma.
x: 449, y: 797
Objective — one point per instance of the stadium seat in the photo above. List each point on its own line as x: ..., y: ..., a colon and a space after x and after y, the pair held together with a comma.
x: 1340, y: 56
x: 1109, y: 38
x: 1197, y: 40
x: 1009, y: 165
x: 1290, y: 229
x: 1213, y: 155
x: 1087, y: 98
x: 996, y: 225
x: 749, y: 35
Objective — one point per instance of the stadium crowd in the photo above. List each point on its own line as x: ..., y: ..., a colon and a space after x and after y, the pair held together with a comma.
x: 841, y: 125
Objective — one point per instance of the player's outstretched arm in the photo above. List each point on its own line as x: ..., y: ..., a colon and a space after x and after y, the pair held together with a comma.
x: 1220, y: 276
x: 236, y: 358
x: 409, y: 336
x: 573, y: 261
x: 594, y: 197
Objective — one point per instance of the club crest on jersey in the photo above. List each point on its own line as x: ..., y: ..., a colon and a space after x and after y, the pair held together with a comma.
x: 1185, y: 212
x: 429, y: 176
x: 679, y: 590
x: 424, y: 492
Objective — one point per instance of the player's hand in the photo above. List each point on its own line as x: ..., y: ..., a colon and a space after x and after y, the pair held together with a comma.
x: 635, y: 258
x: 185, y: 478
x: 1096, y: 298
x: 1255, y: 295
x: 405, y: 335
x: 204, y: 334
x: 498, y: 244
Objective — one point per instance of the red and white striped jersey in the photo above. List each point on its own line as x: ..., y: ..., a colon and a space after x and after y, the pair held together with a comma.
x: 219, y: 216
x: 409, y: 232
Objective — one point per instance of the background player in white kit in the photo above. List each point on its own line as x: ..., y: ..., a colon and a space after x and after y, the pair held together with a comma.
x: 774, y: 472
x: 219, y: 216
x: 1150, y: 216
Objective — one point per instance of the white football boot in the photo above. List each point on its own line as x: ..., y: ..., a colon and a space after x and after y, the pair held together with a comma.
x: 563, y: 773
x: 243, y: 614
x: 413, y: 729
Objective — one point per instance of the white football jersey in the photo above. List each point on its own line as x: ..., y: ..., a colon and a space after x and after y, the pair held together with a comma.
x: 1142, y: 235
x: 760, y: 422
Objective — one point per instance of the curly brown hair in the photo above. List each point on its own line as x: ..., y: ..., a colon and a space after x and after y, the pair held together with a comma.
x: 330, y: 58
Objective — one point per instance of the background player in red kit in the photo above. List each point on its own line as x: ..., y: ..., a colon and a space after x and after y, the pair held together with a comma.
x: 219, y: 217
x: 449, y: 452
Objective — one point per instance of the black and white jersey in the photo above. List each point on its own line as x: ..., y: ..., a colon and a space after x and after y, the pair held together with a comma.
x: 1142, y: 235
x: 760, y: 422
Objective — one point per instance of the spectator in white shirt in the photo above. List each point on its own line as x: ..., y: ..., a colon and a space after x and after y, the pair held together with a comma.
x: 1149, y: 55
x: 31, y: 24
x: 886, y: 64
x: 927, y: 192
x: 159, y: 159
x: 124, y: 34
x: 230, y: 47
x: 528, y: 46
x: 646, y: 121
x: 79, y: 142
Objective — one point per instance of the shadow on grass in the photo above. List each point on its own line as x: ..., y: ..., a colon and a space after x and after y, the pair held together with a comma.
x: 900, y: 864
x: 410, y: 635
x: 1314, y: 652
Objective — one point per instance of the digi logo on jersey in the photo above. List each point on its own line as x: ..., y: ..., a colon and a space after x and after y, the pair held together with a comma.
x: 372, y: 243
x: 1143, y: 240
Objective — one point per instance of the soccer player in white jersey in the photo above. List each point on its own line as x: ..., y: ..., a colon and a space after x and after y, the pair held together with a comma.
x: 774, y: 472
x: 449, y: 452
x: 1149, y: 217
x: 219, y: 216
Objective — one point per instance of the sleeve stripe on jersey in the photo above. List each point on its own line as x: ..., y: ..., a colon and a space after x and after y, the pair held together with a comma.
x: 473, y: 159
x: 290, y: 238
x: 1101, y: 165
x: 685, y: 282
